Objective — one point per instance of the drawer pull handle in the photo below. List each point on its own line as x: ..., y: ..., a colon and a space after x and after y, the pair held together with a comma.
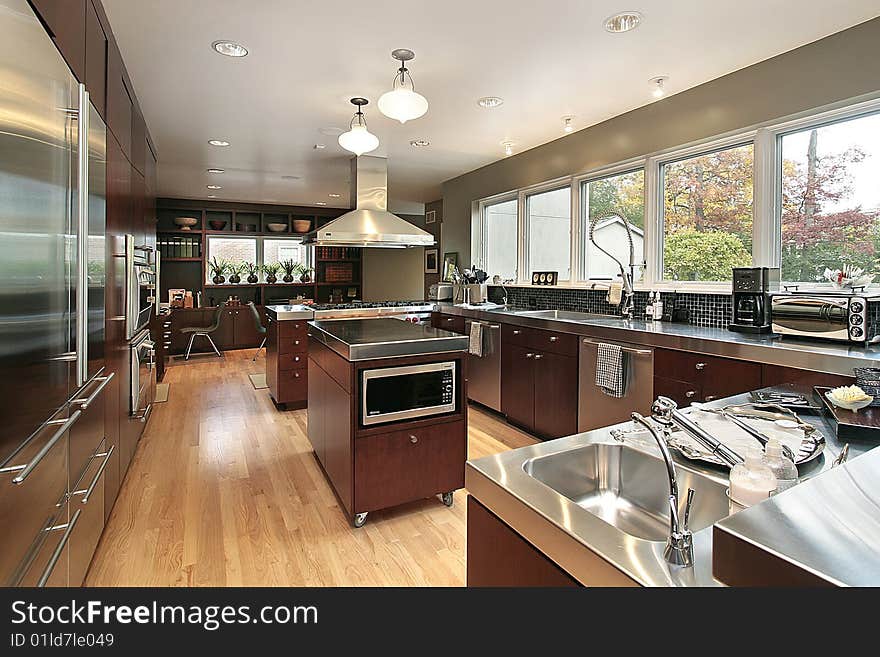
x: 539, y: 356
x: 85, y: 403
x: 87, y: 493
x: 413, y: 439
x: 59, y: 549
x: 530, y: 355
x: 296, y: 375
x: 516, y: 332
x: 554, y: 338
x: 24, y: 470
x: 296, y: 342
x: 711, y: 398
x: 700, y: 366
x: 689, y: 394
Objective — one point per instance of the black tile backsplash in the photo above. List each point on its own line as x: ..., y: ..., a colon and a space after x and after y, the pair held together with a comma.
x: 712, y: 310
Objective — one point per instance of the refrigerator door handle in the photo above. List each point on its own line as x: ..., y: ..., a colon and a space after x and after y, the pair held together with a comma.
x: 103, y: 382
x: 25, y: 470
x: 82, y: 231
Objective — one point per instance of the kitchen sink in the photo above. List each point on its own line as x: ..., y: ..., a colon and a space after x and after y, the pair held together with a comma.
x: 628, y: 488
x: 559, y: 314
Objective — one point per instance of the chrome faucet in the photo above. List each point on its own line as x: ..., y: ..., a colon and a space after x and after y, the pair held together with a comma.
x: 679, y: 550
x: 627, y: 274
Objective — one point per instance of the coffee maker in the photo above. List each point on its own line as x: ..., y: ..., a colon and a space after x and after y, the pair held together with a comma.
x: 751, y: 300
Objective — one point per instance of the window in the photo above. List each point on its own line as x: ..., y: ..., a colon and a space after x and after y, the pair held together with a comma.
x: 500, y: 239
x: 607, y: 203
x: 830, y: 198
x: 260, y: 250
x: 707, y: 214
x: 548, y: 217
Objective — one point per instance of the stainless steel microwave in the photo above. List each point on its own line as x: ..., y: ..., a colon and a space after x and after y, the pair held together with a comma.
x: 408, y: 392
x: 839, y: 317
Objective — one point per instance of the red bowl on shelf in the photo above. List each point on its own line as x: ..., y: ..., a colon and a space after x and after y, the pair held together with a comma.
x: 217, y: 225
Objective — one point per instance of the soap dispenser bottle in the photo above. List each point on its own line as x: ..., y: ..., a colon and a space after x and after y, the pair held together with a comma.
x: 783, y: 467
x: 752, y: 481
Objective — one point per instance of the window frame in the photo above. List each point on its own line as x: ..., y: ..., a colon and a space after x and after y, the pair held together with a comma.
x: 259, y: 249
x: 480, y: 246
x: 523, y: 266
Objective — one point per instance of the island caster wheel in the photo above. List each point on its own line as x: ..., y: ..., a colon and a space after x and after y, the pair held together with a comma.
x: 360, y: 519
x: 447, y: 498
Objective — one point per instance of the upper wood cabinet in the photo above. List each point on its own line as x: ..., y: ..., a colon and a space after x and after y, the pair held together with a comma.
x: 65, y: 21
x: 138, y: 140
x: 119, y: 105
x: 96, y: 60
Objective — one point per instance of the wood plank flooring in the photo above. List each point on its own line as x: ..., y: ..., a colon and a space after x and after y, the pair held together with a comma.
x: 224, y: 491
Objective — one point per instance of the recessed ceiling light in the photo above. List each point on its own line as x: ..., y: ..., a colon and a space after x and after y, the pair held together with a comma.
x: 320, y: 203
x: 216, y: 171
x: 215, y: 187
x: 566, y: 124
x: 334, y: 195
x: 657, y: 83
x: 419, y: 143
x: 508, y: 147
x: 623, y: 22
x: 320, y: 147
x: 218, y: 142
x: 490, y: 101
x: 229, y: 48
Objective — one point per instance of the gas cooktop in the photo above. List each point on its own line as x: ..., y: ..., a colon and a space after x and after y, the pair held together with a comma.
x: 357, y: 305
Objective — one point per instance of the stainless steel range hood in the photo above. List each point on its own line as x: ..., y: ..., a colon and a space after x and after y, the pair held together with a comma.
x: 370, y: 224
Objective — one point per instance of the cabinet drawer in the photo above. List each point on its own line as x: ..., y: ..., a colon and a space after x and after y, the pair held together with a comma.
x: 452, y: 323
x: 293, y: 344
x: 402, y: 466
x: 293, y: 329
x: 564, y: 344
x: 293, y: 385
x: 681, y: 392
x: 90, y: 524
x: 517, y: 335
x: 680, y: 365
x: 292, y: 360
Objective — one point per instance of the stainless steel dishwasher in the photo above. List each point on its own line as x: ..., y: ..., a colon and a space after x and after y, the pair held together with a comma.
x: 484, y: 372
x: 595, y: 408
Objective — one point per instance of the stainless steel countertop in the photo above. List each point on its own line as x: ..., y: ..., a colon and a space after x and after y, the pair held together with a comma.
x: 595, y: 552
x: 371, y: 338
x: 834, y: 358
x: 288, y: 312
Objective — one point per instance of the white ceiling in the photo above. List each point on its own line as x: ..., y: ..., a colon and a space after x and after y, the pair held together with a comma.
x: 308, y: 58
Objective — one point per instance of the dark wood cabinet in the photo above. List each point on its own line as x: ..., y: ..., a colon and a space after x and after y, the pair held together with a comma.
x: 138, y: 140
x: 689, y: 377
x: 539, y: 380
x: 774, y: 375
x: 96, y: 60
x: 498, y: 556
x: 65, y: 21
x: 453, y: 323
x: 287, y: 346
x: 119, y: 105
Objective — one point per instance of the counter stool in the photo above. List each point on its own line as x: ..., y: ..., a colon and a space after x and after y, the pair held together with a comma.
x: 258, y: 324
x: 204, y: 331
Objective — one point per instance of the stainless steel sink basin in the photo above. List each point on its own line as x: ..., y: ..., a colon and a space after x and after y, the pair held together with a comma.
x: 558, y: 314
x: 627, y: 488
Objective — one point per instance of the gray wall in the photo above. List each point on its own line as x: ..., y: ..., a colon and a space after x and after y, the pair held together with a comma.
x: 836, y: 68
x: 395, y: 274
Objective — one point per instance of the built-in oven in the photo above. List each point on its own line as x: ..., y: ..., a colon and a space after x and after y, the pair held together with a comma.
x: 408, y: 392
x: 143, y: 376
x: 840, y: 317
x: 140, y: 286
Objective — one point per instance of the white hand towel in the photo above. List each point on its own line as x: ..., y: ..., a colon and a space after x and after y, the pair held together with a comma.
x: 475, y: 346
x: 615, y: 293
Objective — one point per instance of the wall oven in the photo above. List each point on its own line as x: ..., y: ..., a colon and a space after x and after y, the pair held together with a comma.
x: 143, y: 376
x: 839, y: 317
x: 140, y: 286
x: 408, y: 392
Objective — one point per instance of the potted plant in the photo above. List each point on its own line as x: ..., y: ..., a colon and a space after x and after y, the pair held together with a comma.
x: 289, y: 267
x: 218, y: 269
x: 271, y: 270
x: 252, y: 270
x: 236, y: 269
x: 304, y: 272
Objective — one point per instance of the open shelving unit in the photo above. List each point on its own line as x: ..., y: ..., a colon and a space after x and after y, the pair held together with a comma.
x: 338, y: 271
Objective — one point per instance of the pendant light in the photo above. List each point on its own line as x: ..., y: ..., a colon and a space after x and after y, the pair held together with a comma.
x: 358, y: 139
x: 402, y: 102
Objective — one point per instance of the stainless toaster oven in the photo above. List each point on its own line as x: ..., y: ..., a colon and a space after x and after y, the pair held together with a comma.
x: 841, y: 317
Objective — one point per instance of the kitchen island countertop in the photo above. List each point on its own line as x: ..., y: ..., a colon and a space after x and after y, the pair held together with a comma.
x: 367, y: 339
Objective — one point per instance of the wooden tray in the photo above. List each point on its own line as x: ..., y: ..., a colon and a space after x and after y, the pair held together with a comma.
x: 851, y: 425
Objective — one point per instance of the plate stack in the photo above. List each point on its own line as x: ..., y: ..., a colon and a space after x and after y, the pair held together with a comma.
x: 868, y: 379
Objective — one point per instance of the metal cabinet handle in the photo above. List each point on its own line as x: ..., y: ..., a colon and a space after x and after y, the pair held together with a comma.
x: 85, y: 403
x: 296, y: 342
x: 530, y: 355
x: 700, y: 366
x: 143, y: 417
x: 87, y: 493
x: 413, y: 439
x: 629, y: 350
x: 494, y: 327
x: 24, y: 470
x: 539, y: 356
x: 554, y: 338
x: 690, y: 393
x: 450, y: 319
x: 59, y: 549
x: 711, y: 398
x: 516, y: 332
x: 296, y: 359
x: 296, y: 375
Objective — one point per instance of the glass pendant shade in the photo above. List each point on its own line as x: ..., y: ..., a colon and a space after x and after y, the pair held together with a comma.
x: 359, y: 140
x: 403, y: 104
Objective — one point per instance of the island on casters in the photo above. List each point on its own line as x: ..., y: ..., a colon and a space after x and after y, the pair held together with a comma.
x: 387, y: 411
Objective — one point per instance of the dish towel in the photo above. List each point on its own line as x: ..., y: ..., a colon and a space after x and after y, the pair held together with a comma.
x: 475, y: 346
x: 615, y: 293
x: 611, y: 370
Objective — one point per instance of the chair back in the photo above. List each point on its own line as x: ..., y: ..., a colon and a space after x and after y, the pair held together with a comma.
x: 258, y: 323
x: 218, y: 316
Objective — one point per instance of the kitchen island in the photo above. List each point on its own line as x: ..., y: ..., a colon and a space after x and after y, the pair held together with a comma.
x: 387, y: 411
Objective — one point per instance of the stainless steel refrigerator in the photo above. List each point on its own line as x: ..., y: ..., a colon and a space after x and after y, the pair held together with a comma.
x: 52, y: 263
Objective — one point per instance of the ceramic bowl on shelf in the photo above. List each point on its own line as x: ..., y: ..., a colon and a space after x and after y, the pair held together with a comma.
x: 302, y: 225
x: 217, y: 224
x: 276, y: 228
x: 186, y: 223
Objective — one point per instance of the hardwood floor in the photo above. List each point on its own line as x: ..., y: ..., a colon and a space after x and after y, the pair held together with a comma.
x: 224, y: 491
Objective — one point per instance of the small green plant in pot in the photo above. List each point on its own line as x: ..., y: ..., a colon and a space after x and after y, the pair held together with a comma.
x: 236, y: 269
x: 290, y: 268
x: 218, y: 269
x: 304, y: 272
x: 271, y: 270
x: 252, y: 270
